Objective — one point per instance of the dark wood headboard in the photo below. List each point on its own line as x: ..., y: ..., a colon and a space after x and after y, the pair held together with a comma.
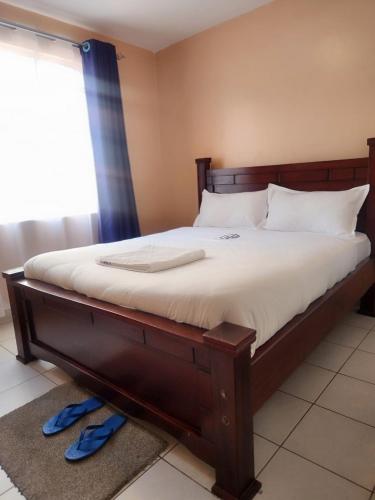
x: 330, y: 175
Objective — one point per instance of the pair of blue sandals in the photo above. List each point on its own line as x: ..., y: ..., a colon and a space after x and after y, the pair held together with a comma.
x: 93, y: 437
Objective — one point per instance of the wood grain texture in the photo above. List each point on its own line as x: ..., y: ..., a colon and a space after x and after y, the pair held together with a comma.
x: 201, y: 386
x: 330, y: 175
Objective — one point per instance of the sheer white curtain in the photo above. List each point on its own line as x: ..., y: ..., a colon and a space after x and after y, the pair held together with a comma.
x: 48, y: 197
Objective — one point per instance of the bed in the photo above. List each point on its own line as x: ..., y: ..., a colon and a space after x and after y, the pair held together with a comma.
x: 199, y: 382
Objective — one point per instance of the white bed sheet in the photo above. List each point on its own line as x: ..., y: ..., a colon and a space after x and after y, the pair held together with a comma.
x: 259, y: 280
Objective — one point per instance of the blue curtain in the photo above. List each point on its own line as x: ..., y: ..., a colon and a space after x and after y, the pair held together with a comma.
x: 117, y: 210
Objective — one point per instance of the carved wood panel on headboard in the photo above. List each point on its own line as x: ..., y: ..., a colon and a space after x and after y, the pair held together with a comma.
x: 330, y: 175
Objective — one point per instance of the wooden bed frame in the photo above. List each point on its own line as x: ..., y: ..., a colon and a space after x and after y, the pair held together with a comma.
x: 201, y: 386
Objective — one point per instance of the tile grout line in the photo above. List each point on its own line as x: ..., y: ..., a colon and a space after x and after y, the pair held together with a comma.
x: 53, y: 382
x: 347, y: 359
x: 11, y: 352
x: 359, y: 314
x: 328, y: 409
x: 325, y: 468
x: 310, y: 402
x: 356, y: 378
x: 266, y: 438
x: 319, y: 366
x: 325, y: 388
x: 5, y: 339
x: 352, y: 354
x: 363, y: 350
x: 326, y: 339
x: 314, y: 403
x: 295, y: 426
x: 279, y: 446
x: 172, y: 448
x: 134, y: 480
x: 344, y: 374
x: 342, y: 345
x: 358, y: 348
x: 324, y: 408
x: 6, y: 491
x: 368, y: 333
x: 20, y: 383
x: 43, y: 375
x: 299, y: 421
x: 330, y: 382
x: 185, y: 474
x: 141, y: 473
x: 268, y: 461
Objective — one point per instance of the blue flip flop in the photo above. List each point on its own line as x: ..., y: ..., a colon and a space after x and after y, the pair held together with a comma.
x: 94, y: 437
x: 69, y: 416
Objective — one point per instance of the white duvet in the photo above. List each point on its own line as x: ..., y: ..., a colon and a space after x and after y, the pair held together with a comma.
x: 259, y: 280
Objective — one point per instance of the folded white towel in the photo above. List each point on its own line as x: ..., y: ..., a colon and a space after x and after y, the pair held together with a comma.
x: 150, y: 259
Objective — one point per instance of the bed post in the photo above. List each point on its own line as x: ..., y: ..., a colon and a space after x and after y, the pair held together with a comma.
x: 368, y: 300
x: 232, y: 416
x: 17, y: 307
x: 203, y: 164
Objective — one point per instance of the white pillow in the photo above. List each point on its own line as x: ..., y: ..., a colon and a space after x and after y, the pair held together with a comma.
x: 233, y: 209
x: 331, y: 212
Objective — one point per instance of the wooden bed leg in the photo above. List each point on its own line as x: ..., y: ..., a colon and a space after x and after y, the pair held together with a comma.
x: 233, y: 426
x: 18, y: 314
x: 367, y: 305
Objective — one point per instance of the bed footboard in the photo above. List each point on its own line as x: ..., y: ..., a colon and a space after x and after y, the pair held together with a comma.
x: 192, y: 382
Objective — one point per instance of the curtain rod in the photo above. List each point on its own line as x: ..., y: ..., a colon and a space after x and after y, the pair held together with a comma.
x: 44, y: 34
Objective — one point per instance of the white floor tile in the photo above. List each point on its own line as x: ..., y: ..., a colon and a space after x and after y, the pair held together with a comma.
x: 58, y: 376
x: 347, y: 335
x: 361, y: 365
x: 307, y: 382
x: 5, y: 355
x: 135, y: 478
x: 6, y: 331
x: 360, y: 320
x: 10, y: 345
x: 12, y: 373
x: 12, y: 494
x: 337, y: 443
x: 23, y: 393
x: 181, y: 458
x: 164, y: 482
x: 289, y: 477
x: 329, y: 356
x: 263, y: 451
x: 5, y: 483
x: 369, y: 343
x: 350, y: 397
x: 278, y: 416
x: 41, y: 366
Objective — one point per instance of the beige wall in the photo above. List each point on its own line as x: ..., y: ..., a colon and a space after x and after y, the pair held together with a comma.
x: 291, y: 81
x: 139, y: 90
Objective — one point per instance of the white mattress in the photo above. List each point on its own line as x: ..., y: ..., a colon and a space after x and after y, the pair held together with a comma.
x: 259, y: 280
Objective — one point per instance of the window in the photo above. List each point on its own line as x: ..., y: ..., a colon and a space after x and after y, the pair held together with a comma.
x: 46, y: 160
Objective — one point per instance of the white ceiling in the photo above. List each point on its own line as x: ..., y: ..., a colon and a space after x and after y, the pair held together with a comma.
x: 152, y: 24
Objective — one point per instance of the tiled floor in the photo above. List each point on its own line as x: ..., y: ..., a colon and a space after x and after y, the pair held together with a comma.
x: 314, y: 438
